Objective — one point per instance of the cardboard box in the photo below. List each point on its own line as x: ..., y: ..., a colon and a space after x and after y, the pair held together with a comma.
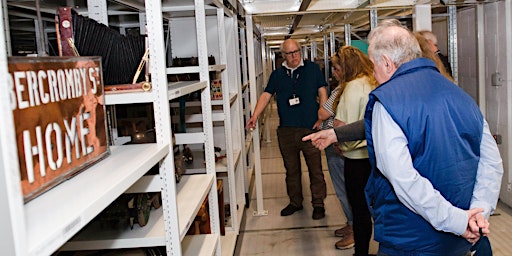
x: 59, y: 115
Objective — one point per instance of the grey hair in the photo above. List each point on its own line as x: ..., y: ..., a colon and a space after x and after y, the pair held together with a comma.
x: 395, y: 41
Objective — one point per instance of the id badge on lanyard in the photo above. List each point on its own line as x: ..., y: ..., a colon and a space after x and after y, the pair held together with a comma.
x: 294, y: 100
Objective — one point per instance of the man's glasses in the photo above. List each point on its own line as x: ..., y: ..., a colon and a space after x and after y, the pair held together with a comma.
x: 292, y: 53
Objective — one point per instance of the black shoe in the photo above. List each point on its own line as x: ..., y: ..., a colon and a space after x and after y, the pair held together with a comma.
x: 290, y: 209
x: 318, y: 213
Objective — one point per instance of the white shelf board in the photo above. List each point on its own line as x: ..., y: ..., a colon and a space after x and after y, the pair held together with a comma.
x: 177, y: 89
x: 198, y: 166
x: 122, y: 140
x: 218, y: 68
x: 182, y: 70
x: 202, y: 245
x: 96, y: 237
x: 248, y: 140
x: 241, y: 212
x: 195, y: 103
x: 240, y: 215
x: 237, y: 153
x: 217, y: 116
x: 193, y: 69
x: 228, y: 243
x: 78, y: 200
x: 192, y: 191
x: 129, y: 98
x: 189, y: 138
x: 232, y: 98
x: 244, y: 86
x: 148, y: 183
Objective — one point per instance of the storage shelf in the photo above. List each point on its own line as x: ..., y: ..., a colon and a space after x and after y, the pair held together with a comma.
x: 196, y: 103
x: 129, y: 98
x: 218, y: 68
x: 178, y: 89
x: 232, y: 98
x: 148, y: 183
x: 197, y: 166
x: 200, y: 245
x: 228, y: 243
x: 175, y: 90
x: 217, y: 116
x: 193, y: 69
x: 96, y: 237
x: 77, y: 201
x: 192, y: 191
x: 245, y: 86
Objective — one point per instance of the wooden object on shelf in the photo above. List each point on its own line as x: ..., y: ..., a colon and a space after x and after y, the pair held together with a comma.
x: 201, y: 223
x: 124, y: 88
x: 59, y: 116
x: 220, y: 196
x: 65, y: 31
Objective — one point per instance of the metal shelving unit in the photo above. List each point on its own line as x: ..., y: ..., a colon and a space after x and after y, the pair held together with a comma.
x: 52, y: 221
x: 222, y: 36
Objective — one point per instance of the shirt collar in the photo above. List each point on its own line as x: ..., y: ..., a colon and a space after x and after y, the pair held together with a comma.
x: 293, y: 69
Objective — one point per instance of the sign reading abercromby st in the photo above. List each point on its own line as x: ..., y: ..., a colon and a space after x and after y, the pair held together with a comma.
x: 59, y: 115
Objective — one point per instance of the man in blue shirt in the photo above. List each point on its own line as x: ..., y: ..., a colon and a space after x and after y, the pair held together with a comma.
x: 297, y: 85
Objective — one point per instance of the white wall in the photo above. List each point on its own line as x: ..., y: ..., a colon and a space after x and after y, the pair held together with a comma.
x: 467, y: 52
x: 497, y: 102
x: 496, y: 96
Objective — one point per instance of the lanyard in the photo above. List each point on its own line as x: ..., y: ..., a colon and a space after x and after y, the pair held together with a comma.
x: 295, y: 77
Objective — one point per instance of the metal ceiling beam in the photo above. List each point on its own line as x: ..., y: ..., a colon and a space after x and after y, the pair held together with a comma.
x: 296, y: 20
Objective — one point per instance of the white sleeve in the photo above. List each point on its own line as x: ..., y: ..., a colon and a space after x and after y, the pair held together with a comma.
x: 489, y: 174
x: 413, y: 190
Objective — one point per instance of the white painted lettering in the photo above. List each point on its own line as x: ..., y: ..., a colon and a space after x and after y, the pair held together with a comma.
x: 20, y: 88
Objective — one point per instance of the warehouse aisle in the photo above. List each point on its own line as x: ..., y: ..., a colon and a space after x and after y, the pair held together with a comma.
x: 299, y: 234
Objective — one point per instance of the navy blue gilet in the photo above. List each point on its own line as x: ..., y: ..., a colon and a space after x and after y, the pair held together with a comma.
x: 443, y: 126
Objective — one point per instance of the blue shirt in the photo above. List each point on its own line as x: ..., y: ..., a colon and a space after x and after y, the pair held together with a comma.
x: 302, y: 83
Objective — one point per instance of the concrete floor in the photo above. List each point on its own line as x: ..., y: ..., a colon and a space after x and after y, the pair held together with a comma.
x: 299, y: 234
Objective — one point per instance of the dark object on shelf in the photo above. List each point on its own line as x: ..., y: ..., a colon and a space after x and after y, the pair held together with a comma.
x: 179, y: 164
x: 129, y: 209
x: 220, y: 198
x: 116, y: 215
x: 190, y: 61
x: 218, y: 156
x: 187, y: 154
x: 139, y: 207
x: 120, y: 54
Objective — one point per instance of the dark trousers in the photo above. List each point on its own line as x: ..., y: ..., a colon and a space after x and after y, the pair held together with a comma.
x: 291, y: 144
x: 357, y: 172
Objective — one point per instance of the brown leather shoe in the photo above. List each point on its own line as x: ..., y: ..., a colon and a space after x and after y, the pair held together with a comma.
x: 346, y: 242
x: 344, y: 231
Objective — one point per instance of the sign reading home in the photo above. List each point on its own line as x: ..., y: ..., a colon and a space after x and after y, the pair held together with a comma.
x: 59, y: 114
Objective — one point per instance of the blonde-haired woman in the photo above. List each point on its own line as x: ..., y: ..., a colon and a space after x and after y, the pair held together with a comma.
x: 335, y: 162
x: 356, y: 77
